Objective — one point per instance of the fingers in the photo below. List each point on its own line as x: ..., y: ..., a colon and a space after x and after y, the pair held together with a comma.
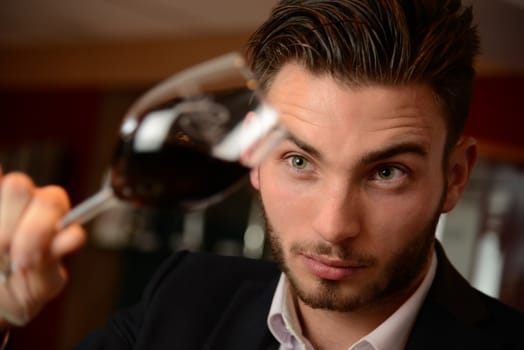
x: 29, y: 291
x: 16, y: 192
x: 67, y: 241
x: 37, y: 227
x: 28, y: 231
x: 28, y: 217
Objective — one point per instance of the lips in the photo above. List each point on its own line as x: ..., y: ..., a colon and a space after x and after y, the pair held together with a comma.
x: 331, y: 269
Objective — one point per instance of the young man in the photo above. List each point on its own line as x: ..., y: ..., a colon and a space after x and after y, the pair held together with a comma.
x: 375, y: 96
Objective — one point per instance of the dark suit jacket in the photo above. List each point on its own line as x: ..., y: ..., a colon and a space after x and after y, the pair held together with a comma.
x: 201, y: 301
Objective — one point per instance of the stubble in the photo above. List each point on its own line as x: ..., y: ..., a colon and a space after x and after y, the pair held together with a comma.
x: 402, y: 273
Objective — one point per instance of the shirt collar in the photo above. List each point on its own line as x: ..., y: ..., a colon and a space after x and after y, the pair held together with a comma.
x: 394, y: 331
x: 391, y: 334
x: 283, y: 320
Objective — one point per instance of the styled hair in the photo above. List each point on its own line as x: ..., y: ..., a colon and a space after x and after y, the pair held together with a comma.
x: 362, y: 42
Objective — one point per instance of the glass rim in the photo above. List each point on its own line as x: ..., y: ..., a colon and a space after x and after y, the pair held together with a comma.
x: 189, y: 82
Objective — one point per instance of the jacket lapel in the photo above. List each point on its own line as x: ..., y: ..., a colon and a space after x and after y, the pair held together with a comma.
x: 446, y: 318
x: 243, y: 325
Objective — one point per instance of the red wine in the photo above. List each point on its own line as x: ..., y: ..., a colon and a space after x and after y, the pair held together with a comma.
x: 180, y: 172
x: 176, y: 176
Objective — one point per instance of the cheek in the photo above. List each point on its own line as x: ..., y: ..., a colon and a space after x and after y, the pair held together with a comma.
x: 286, y: 208
x: 397, y: 219
x: 283, y: 208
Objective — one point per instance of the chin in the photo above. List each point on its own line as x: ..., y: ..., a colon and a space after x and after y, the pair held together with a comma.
x: 332, y: 295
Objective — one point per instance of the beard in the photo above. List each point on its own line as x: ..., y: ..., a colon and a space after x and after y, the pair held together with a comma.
x: 400, y: 274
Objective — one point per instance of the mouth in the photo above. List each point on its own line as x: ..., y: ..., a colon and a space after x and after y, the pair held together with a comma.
x: 331, y: 268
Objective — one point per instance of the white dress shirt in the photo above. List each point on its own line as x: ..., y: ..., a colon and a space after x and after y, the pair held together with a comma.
x: 392, y: 334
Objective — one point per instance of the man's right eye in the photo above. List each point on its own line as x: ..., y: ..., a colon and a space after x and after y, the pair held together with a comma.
x: 298, y: 162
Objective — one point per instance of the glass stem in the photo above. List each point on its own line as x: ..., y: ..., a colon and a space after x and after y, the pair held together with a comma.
x: 89, y: 208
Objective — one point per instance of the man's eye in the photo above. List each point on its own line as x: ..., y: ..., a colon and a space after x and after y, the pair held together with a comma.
x: 298, y: 162
x: 389, y: 173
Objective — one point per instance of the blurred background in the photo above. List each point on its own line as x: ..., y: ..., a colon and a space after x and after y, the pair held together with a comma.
x: 70, y: 69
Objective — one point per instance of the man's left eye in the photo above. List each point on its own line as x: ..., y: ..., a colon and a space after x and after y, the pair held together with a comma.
x: 388, y: 173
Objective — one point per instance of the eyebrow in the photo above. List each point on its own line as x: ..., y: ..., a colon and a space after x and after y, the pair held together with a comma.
x: 304, y: 146
x: 392, y: 151
x: 371, y: 157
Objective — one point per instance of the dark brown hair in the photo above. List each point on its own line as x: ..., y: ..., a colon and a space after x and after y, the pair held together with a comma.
x: 375, y: 41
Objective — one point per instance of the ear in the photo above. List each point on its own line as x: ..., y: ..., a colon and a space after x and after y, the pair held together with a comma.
x: 254, y: 177
x: 460, y: 164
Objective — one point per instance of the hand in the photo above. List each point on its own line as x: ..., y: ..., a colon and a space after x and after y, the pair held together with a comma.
x: 30, y: 241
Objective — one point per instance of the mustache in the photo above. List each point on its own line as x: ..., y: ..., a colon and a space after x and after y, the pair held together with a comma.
x: 341, y: 252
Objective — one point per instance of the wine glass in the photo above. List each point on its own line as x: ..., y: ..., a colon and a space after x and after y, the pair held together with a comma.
x: 187, y: 142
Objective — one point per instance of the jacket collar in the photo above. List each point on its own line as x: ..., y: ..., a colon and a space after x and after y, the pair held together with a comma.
x: 451, y: 309
x: 451, y: 291
x: 244, y: 324
x: 448, y: 314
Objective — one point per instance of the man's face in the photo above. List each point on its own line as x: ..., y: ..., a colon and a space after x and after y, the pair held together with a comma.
x: 353, y: 196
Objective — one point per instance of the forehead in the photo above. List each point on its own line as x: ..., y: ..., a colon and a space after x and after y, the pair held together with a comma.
x: 319, y: 108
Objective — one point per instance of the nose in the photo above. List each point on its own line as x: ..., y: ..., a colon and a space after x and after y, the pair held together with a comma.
x: 338, y: 214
